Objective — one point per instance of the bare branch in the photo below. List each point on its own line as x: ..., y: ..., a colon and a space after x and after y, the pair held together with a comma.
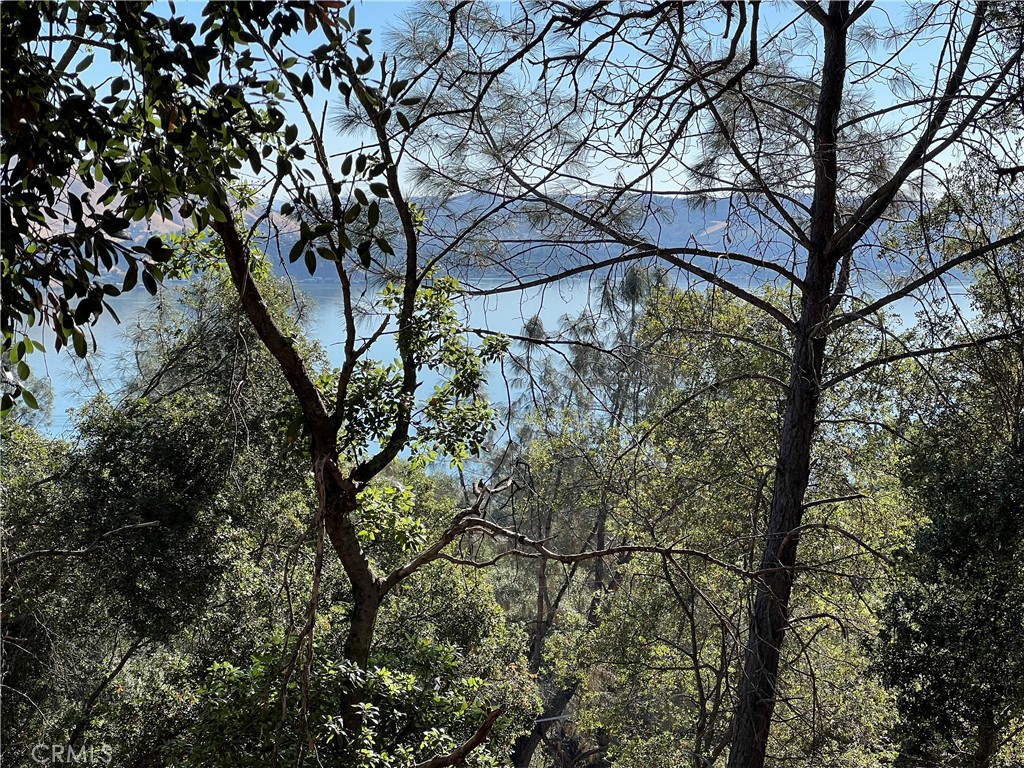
x: 29, y: 556
x: 458, y: 757
x: 915, y: 353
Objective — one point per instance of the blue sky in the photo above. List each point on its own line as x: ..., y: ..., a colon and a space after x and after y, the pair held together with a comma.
x: 383, y: 15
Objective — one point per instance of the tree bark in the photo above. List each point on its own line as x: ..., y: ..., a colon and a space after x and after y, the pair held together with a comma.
x: 759, y: 686
x: 338, y: 503
x: 771, y: 605
x: 526, y: 745
x: 988, y: 741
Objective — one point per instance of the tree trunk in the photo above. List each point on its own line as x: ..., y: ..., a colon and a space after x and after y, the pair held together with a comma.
x: 758, y: 688
x: 338, y: 506
x: 771, y: 605
x: 526, y: 745
x: 988, y: 741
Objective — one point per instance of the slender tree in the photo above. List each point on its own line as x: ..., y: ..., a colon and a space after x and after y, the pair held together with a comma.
x: 168, y: 139
x: 803, y: 133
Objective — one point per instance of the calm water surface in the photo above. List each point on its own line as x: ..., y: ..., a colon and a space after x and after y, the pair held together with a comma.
x: 74, y: 381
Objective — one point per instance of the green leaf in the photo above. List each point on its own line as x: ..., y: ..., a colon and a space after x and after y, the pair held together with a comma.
x: 113, y: 225
x: 75, y: 206
x: 326, y: 253
x: 149, y: 282
x: 131, y: 276
x: 291, y: 133
x: 294, y: 426
x: 379, y: 189
x: 81, y: 346
x: 30, y: 399
x: 84, y: 64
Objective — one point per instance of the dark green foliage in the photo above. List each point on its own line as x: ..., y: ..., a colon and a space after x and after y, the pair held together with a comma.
x: 952, y: 644
x: 130, y: 589
x: 421, y: 696
x: 204, y: 606
x: 163, y: 462
x: 201, y: 454
x: 83, y: 163
x: 952, y: 641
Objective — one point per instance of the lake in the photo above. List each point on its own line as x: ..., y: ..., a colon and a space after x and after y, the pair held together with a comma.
x: 74, y: 381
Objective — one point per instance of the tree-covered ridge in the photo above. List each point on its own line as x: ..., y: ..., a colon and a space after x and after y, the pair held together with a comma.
x: 734, y: 513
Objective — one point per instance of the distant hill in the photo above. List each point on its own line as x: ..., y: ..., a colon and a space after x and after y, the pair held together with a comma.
x: 484, y: 238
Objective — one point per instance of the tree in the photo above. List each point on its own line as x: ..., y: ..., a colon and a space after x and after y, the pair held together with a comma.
x: 671, y: 462
x: 567, y: 480
x: 804, y: 132
x: 175, y: 146
x: 166, y: 636
x: 785, y: 128
x: 950, y: 645
x: 127, y: 551
x: 75, y: 177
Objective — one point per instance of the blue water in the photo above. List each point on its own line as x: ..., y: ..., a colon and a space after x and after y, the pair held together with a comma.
x: 74, y: 381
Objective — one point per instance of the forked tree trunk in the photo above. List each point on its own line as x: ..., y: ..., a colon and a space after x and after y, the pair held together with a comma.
x: 338, y: 506
x: 759, y: 686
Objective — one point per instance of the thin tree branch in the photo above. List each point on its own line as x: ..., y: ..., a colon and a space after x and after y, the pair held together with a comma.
x: 458, y: 757
x: 29, y: 556
x: 915, y: 353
